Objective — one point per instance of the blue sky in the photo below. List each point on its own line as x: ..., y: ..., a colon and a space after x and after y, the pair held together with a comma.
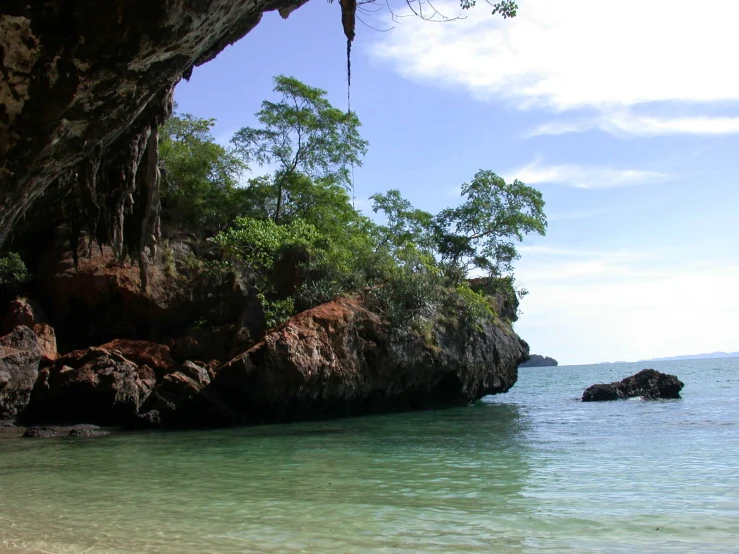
x: 625, y: 114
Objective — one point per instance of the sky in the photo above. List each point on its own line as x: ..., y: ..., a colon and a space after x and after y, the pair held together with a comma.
x: 624, y: 113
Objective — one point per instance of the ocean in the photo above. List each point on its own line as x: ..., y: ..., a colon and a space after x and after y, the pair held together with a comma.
x: 527, y: 471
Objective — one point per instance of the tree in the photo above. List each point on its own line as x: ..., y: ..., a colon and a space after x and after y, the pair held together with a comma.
x: 483, y: 231
x: 200, y: 178
x: 302, y: 134
x: 406, y: 225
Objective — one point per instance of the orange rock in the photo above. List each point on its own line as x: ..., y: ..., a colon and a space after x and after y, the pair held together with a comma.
x: 141, y: 352
x: 47, y: 342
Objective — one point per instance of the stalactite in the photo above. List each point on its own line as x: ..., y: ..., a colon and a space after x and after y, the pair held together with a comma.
x: 147, y: 214
x: 87, y: 188
x: 133, y: 152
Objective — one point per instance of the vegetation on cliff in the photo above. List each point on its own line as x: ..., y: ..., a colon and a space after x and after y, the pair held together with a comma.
x: 296, y: 231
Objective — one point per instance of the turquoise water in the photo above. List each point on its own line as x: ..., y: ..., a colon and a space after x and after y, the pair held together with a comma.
x: 526, y: 471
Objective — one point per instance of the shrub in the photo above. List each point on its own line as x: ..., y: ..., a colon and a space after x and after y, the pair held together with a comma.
x: 407, y: 296
x: 13, y: 272
x: 473, y: 306
x: 276, y: 311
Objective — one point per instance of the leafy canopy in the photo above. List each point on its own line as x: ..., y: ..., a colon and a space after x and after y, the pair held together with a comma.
x: 200, y: 177
x: 302, y: 133
x: 481, y: 233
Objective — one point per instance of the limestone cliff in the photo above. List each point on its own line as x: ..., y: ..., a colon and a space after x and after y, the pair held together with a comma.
x: 84, y: 85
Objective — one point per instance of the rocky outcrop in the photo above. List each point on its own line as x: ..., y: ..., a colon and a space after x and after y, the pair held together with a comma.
x: 19, y: 363
x: 648, y: 384
x: 339, y: 359
x: 539, y: 361
x: 94, y: 385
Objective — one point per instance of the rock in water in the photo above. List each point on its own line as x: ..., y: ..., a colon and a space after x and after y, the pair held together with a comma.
x: 19, y: 360
x: 648, y: 384
x: 535, y: 360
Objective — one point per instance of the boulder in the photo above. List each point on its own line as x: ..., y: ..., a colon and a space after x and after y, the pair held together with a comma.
x: 339, y: 359
x: 94, y: 385
x: 47, y: 342
x: 196, y: 371
x: 19, y: 312
x: 141, y: 352
x: 648, y: 384
x: 20, y: 355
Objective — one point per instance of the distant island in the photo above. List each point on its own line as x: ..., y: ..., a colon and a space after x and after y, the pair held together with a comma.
x: 694, y: 357
x: 539, y: 361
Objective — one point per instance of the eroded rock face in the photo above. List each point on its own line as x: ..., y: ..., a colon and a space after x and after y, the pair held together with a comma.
x: 103, y: 300
x: 75, y: 76
x: 339, y: 359
x: 648, y: 384
x: 20, y: 355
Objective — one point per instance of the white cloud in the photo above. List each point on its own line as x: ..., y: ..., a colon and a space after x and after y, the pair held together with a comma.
x: 589, y: 307
x: 626, y: 123
x: 584, y: 176
x: 581, y: 54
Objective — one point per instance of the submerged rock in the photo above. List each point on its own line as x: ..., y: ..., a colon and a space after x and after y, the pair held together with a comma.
x: 52, y: 431
x: 648, y: 384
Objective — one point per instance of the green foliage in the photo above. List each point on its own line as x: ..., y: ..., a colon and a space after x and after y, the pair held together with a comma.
x: 302, y: 134
x: 480, y: 234
x: 259, y: 243
x: 506, y: 8
x: 473, y: 306
x: 406, y: 226
x: 13, y: 271
x: 412, y: 292
x: 276, y: 312
x: 200, y: 178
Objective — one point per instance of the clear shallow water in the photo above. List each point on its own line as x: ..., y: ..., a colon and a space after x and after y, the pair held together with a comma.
x: 526, y: 471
